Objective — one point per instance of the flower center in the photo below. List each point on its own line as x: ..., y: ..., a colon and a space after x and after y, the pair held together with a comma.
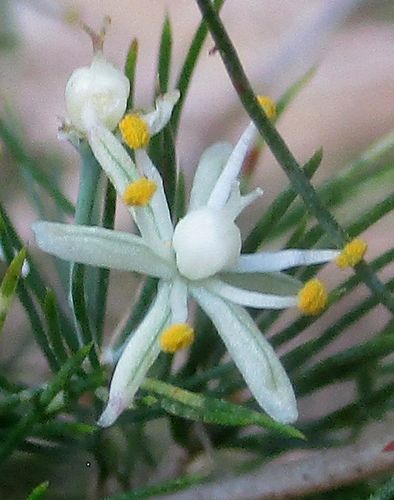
x: 205, y: 242
x: 135, y: 131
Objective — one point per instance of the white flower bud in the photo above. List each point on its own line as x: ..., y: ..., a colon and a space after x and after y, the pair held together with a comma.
x: 205, y: 242
x: 100, y: 87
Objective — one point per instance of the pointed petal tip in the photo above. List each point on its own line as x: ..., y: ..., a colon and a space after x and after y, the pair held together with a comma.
x: 112, y: 411
x: 289, y: 416
x: 284, y: 413
x: 279, y: 403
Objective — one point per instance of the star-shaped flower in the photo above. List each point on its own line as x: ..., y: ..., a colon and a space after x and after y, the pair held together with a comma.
x: 199, y: 258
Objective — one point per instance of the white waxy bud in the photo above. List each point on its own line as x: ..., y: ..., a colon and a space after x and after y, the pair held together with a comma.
x: 100, y: 87
x: 205, y: 242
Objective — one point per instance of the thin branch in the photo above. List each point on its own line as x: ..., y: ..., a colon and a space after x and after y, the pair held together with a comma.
x: 318, y: 471
x: 281, y: 151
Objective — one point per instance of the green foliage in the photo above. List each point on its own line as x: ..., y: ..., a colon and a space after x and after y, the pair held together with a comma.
x: 204, y: 387
x: 8, y: 285
x: 38, y: 492
x: 212, y: 411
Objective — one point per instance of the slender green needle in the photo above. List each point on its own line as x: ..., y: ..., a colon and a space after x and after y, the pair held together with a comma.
x: 278, y: 208
x: 108, y: 221
x: 39, y: 491
x: 25, y: 160
x: 54, y: 331
x: 165, y: 56
x: 210, y: 410
x: 9, y: 284
x: 280, y: 150
x: 384, y: 493
x: 166, y: 488
x: 189, y: 65
x: 130, y: 66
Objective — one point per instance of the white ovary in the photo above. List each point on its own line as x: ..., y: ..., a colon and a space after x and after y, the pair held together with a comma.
x: 205, y: 242
x: 103, y: 87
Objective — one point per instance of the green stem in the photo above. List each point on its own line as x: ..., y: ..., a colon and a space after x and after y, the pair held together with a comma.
x: 24, y: 159
x: 280, y: 150
x: 189, y: 65
x: 85, y: 214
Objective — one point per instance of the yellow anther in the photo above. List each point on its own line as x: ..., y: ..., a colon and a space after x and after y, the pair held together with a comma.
x: 139, y: 193
x: 268, y: 105
x: 351, y: 254
x: 313, y: 297
x: 176, y: 337
x: 135, y: 131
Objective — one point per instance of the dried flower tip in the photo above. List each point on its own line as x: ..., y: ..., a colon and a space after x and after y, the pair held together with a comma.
x: 352, y: 253
x: 176, y: 337
x: 268, y: 105
x: 71, y: 16
x: 97, y: 38
x: 135, y: 131
x: 313, y: 297
x: 139, y: 193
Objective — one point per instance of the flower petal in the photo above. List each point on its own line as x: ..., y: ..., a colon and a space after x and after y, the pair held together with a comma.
x: 267, y: 262
x: 122, y: 171
x: 249, y: 298
x: 158, y: 204
x: 252, y: 354
x: 112, y: 156
x: 100, y: 247
x: 237, y: 203
x: 278, y: 283
x: 159, y: 118
x: 208, y: 171
x: 138, y: 356
x: 223, y: 186
x: 178, y: 301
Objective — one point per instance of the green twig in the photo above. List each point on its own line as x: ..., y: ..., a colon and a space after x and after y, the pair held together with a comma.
x: 280, y: 150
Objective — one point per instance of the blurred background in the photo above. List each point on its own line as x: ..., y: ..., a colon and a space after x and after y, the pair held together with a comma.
x: 348, y: 104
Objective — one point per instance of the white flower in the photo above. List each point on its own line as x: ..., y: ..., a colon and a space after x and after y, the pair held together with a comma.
x: 199, y: 258
x: 99, y: 88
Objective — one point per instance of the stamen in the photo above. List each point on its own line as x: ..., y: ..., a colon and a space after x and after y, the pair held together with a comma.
x: 268, y: 105
x: 313, y: 297
x: 135, y: 131
x: 352, y: 253
x: 139, y: 193
x: 176, y: 337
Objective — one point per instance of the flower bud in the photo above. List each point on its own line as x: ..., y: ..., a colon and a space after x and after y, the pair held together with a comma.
x: 101, y: 88
x: 205, y: 242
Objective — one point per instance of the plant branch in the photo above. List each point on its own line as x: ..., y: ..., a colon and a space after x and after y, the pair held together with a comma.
x: 280, y: 150
x: 318, y: 471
